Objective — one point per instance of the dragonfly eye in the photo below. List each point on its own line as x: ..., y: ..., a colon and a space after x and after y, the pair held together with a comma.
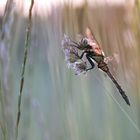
x: 84, y: 42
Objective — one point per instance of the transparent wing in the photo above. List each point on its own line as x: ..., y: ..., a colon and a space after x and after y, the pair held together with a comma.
x: 93, y: 42
x: 112, y: 62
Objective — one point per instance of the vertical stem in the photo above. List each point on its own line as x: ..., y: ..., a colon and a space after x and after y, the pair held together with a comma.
x: 28, y: 30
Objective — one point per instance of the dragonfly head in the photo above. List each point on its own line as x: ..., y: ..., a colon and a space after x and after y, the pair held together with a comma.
x: 84, y: 45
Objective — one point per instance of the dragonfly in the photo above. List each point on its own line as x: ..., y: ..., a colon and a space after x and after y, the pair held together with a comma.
x: 91, y: 48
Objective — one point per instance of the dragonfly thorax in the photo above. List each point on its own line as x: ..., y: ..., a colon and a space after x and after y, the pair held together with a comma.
x: 97, y: 58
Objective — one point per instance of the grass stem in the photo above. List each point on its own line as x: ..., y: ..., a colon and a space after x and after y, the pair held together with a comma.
x: 28, y: 30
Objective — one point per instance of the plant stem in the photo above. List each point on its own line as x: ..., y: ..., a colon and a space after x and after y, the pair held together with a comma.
x: 28, y: 30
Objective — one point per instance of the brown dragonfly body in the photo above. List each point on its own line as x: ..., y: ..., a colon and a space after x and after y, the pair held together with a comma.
x: 93, y: 52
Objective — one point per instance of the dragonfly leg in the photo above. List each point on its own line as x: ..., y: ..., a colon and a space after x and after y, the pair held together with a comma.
x: 81, y: 56
x: 90, y: 61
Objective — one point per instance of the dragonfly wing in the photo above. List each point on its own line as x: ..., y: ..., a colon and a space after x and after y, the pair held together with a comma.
x: 89, y: 34
x: 93, y: 42
x: 113, y: 63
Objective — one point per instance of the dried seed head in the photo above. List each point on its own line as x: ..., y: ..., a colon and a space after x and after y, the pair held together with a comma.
x: 79, y: 67
x: 65, y: 42
x: 71, y: 56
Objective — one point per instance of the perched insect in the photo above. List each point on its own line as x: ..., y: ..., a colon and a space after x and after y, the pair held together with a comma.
x: 92, y: 50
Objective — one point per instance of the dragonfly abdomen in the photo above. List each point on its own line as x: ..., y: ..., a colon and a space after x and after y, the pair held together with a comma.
x: 103, y: 66
x: 118, y: 87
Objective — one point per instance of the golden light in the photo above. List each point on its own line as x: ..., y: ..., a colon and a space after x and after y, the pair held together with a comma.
x: 44, y: 7
x: 2, y: 6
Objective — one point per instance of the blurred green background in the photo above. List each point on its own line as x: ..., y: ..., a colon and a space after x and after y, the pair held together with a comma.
x: 56, y: 104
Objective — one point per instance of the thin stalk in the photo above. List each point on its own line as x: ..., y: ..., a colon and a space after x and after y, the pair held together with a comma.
x: 125, y: 113
x: 28, y: 30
